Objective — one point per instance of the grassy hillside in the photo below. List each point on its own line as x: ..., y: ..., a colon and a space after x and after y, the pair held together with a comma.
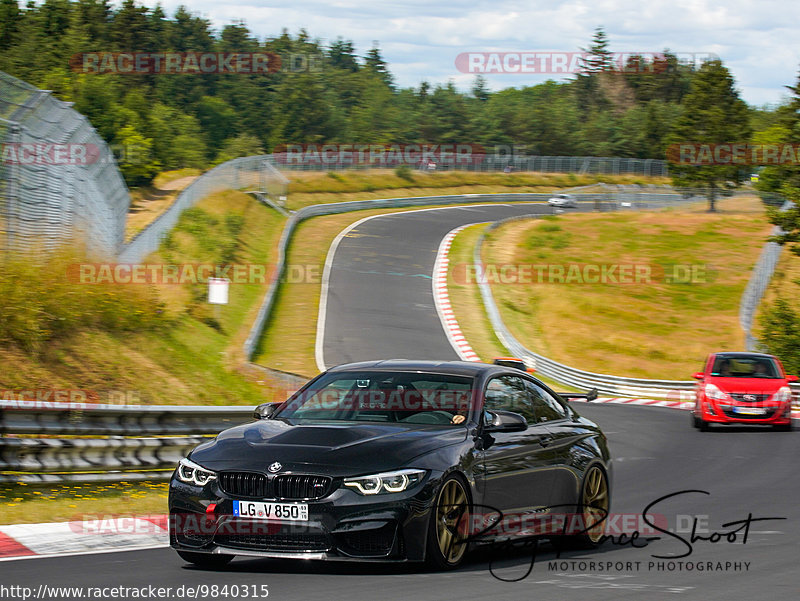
x: 653, y: 328
x: 182, y: 351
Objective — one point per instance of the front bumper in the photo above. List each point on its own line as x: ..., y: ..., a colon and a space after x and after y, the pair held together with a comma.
x: 342, y: 526
x: 731, y: 413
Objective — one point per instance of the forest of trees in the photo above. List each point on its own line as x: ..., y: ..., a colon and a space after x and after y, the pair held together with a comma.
x: 176, y: 121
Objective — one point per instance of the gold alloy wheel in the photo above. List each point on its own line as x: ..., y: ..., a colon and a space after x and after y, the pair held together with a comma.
x: 452, y: 512
x: 594, y: 503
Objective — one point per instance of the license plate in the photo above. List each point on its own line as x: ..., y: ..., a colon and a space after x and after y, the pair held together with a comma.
x: 750, y: 410
x: 292, y: 512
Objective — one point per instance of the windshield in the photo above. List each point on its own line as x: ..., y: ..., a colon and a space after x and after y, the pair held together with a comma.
x: 745, y: 367
x: 375, y: 396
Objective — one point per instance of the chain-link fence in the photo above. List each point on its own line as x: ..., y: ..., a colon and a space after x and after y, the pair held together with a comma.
x: 256, y: 174
x: 338, y: 161
x: 58, y: 179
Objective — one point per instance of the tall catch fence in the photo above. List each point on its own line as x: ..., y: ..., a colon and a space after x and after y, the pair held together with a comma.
x: 58, y: 179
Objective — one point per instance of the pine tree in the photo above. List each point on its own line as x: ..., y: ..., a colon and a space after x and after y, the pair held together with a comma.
x: 375, y: 64
x: 712, y: 113
x: 600, y: 57
x: 9, y: 22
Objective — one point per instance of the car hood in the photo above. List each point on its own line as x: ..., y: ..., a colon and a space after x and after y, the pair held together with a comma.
x: 336, y: 450
x: 748, y: 385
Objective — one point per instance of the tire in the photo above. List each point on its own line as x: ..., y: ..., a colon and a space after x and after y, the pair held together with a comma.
x: 205, y: 560
x: 449, y: 518
x: 594, y: 504
x: 696, y: 421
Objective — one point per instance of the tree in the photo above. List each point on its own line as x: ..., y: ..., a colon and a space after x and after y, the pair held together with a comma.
x: 780, y: 334
x: 9, y: 21
x: 600, y: 57
x: 242, y: 145
x: 375, y: 64
x: 712, y: 113
x: 341, y: 55
x: 136, y: 163
x: 480, y: 90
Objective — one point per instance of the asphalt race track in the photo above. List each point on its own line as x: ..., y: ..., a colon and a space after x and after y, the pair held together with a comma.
x: 656, y: 453
x: 380, y: 305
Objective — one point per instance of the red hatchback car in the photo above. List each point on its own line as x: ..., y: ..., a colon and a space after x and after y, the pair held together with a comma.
x: 743, y: 388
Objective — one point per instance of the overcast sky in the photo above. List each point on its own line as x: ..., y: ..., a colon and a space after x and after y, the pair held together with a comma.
x: 420, y: 39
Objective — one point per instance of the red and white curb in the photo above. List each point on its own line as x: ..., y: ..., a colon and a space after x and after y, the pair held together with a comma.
x: 685, y: 405
x: 442, y: 300
x: 95, y: 534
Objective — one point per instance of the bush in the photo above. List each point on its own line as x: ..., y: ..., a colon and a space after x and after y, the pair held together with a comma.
x: 404, y: 172
x: 780, y: 334
x: 44, y: 299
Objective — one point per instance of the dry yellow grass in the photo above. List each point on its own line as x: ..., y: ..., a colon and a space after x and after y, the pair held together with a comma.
x: 74, y: 502
x: 651, y: 329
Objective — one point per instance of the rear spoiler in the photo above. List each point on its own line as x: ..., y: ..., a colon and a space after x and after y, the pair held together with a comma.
x: 588, y: 396
x: 513, y: 362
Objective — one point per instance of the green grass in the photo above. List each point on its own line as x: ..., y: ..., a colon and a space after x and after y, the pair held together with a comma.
x: 23, y: 504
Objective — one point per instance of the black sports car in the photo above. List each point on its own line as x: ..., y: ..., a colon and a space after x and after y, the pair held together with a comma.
x: 393, y: 460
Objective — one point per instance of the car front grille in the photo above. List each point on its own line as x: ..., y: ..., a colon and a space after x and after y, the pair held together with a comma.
x: 769, y: 413
x: 752, y: 398
x: 244, y: 484
x: 287, y: 487
x: 292, y: 487
x: 311, y: 541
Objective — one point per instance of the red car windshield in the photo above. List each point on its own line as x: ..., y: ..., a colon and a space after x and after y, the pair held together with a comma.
x: 745, y: 367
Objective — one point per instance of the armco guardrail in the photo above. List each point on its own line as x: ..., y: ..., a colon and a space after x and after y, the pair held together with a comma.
x: 81, y: 419
x: 616, y: 385
x: 255, y: 173
x: 602, y: 201
x: 759, y: 280
x: 128, y: 442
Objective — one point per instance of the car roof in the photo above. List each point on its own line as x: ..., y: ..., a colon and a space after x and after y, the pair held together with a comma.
x: 742, y: 354
x: 460, y: 368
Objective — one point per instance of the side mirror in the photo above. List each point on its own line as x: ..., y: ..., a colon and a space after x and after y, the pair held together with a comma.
x: 698, y: 375
x: 591, y: 395
x: 792, y: 379
x: 505, y: 421
x: 265, y: 410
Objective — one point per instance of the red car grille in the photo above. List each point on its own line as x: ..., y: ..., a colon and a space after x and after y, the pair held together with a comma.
x: 750, y: 398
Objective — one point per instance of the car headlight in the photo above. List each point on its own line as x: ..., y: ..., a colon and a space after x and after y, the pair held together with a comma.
x: 714, y: 393
x: 385, y: 482
x: 191, y: 473
x: 784, y: 394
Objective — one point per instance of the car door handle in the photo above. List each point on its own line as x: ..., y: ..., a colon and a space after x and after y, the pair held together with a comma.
x: 545, y: 440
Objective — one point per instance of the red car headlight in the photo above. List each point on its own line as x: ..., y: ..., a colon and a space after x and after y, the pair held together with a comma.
x: 783, y: 395
x: 714, y: 393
